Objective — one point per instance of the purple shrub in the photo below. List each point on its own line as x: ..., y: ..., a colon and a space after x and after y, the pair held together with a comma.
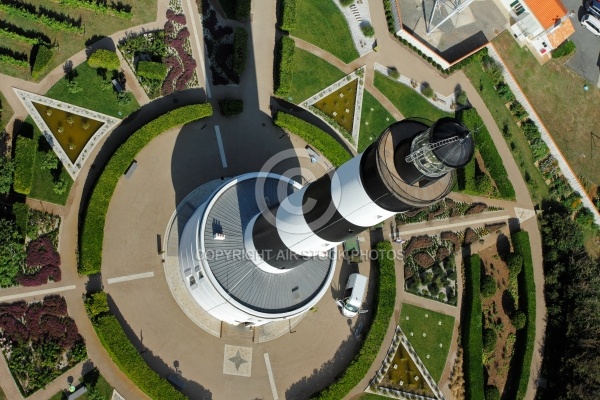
x: 13, y: 329
x: 33, y: 317
x: 52, y: 327
x: 16, y: 310
x: 71, y: 336
x: 179, y: 18
x: 41, y: 277
x: 169, y: 29
x: 55, y: 305
x: 40, y: 252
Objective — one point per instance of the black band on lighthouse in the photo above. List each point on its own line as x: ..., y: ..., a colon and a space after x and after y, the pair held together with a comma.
x: 321, y: 215
x: 269, y: 245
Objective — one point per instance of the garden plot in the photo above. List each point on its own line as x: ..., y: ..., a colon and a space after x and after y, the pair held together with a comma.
x: 358, y: 16
x: 446, y: 208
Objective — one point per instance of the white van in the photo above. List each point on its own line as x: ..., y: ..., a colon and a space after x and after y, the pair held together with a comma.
x: 353, y: 295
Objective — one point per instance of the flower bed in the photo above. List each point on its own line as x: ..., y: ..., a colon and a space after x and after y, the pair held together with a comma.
x: 446, y: 208
x: 39, y: 341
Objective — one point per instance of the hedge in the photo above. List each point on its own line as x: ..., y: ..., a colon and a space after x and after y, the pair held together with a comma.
x: 25, y: 150
x: 102, y: 7
x: 240, y: 51
x: 54, y: 21
x: 288, y: 17
x: 383, y: 308
x: 92, y: 233
x: 127, y: 358
x: 43, y: 56
x: 104, y: 59
x: 21, y: 213
x: 152, y: 70
x: 472, y: 331
x: 284, y: 72
x: 242, y: 9
x: 489, y: 153
x: 527, y: 302
x: 229, y: 107
x: 321, y: 141
x: 564, y: 49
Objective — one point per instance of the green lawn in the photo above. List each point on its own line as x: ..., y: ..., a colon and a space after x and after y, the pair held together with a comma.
x: 570, y: 113
x: 311, y: 74
x: 43, y: 179
x: 407, y: 101
x: 322, y: 24
x: 6, y: 112
x: 96, y: 24
x: 514, y: 136
x: 420, y: 321
x: 374, y: 119
x: 91, y: 96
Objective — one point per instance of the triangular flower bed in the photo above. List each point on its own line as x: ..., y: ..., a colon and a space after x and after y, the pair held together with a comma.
x: 71, y: 131
x: 340, y: 104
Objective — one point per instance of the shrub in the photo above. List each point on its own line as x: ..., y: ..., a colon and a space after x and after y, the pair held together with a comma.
x: 60, y: 186
x: 472, y: 334
x: 424, y: 260
x: 566, y: 48
x: 527, y: 303
x: 12, y: 252
x: 49, y: 161
x: 383, y: 309
x: 40, y: 252
x: 492, y: 393
x: 43, y: 56
x: 518, y: 319
x: 394, y: 73
x: 230, y: 107
x: 127, y: 358
x: 288, y: 19
x: 493, y: 162
x: 367, y: 29
x: 104, y: 59
x: 7, y: 170
x: 242, y: 9
x: 240, y: 49
x: 25, y: 151
x: 489, y: 341
x: 54, y: 21
x: 21, y: 213
x: 514, y: 264
x: 427, y: 91
x: 49, y: 272
x: 93, y: 223
x: 284, y: 74
x: 151, y: 70
x: 96, y: 304
x: 488, y: 286
x: 314, y: 136
x: 178, y: 18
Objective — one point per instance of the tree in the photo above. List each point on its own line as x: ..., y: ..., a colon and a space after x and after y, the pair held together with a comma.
x: 49, y: 161
x: 7, y: 169
x: 12, y: 253
x: 489, y: 340
x: 515, y: 264
x: 367, y: 29
x: 60, y: 186
x: 104, y: 59
x: 488, y: 286
x: 518, y: 319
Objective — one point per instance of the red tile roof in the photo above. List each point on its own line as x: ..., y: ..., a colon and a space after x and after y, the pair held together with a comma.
x: 547, y: 11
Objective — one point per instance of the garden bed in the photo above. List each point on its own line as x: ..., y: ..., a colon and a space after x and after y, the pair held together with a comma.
x: 219, y: 41
x: 446, y: 208
x: 39, y: 341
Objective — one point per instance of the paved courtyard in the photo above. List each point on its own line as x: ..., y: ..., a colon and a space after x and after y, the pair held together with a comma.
x: 586, y: 60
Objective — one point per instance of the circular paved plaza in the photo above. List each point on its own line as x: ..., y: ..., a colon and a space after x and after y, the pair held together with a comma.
x: 234, y: 366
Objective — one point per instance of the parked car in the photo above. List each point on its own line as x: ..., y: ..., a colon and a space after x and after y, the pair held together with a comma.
x: 593, y: 7
x: 591, y: 23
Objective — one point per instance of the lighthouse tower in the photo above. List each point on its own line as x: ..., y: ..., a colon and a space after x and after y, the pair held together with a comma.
x: 262, y: 248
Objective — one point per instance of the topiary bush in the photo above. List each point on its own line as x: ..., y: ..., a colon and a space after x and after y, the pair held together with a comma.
x: 427, y: 91
x: 25, y: 152
x: 288, y: 18
x: 492, y: 393
x: 104, y: 59
x: 229, y: 107
x: 367, y: 29
x: 518, y: 319
x: 152, y: 70
x: 488, y: 286
x: 43, y: 56
x: 489, y: 340
x: 284, y: 58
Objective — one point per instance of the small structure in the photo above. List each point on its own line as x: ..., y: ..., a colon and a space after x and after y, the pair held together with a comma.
x: 541, y: 25
x: 77, y: 394
x: 117, y: 86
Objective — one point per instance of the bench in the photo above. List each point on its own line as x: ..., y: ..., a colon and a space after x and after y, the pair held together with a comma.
x: 78, y: 393
x: 131, y: 169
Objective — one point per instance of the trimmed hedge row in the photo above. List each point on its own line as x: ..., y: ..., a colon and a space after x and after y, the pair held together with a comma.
x: 242, y: 10
x: 240, y: 51
x: 229, y: 107
x: 527, y: 302
x: 152, y: 70
x: 284, y: 70
x: 21, y: 213
x: 92, y: 233
x: 472, y: 331
x: 42, y: 15
x: 101, y: 7
x: 43, y: 56
x: 383, y: 308
x: 288, y: 17
x: 489, y: 153
x: 321, y: 141
x: 104, y: 59
x: 124, y: 354
x: 25, y: 151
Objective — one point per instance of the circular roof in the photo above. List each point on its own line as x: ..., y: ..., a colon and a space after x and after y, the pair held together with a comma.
x: 455, y: 154
x: 234, y: 271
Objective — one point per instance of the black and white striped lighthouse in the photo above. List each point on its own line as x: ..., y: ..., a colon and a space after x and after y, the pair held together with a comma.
x: 408, y: 167
x: 250, y: 252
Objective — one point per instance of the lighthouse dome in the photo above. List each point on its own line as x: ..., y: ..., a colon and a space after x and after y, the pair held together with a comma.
x: 456, y: 153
